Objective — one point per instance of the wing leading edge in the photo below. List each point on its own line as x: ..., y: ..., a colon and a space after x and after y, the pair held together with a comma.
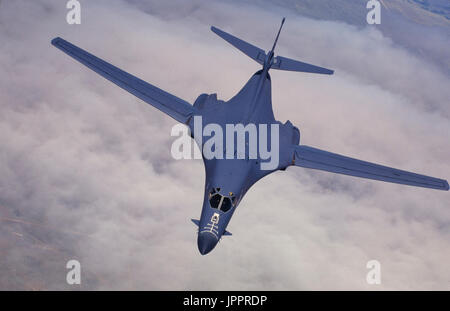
x: 309, y: 157
x: 175, y: 107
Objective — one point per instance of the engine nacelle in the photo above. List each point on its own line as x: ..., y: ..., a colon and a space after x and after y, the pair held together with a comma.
x: 206, y: 99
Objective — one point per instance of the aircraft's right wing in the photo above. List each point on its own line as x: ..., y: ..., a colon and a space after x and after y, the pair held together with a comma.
x: 309, y: 157
x: 175, y: 107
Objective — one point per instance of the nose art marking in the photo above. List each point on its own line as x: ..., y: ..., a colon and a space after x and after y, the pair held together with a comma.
x: 212, y: 226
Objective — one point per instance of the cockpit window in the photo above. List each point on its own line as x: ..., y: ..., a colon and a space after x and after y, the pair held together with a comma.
x: 226, y: 205
x: 215, y: 200
x: 218, y: 201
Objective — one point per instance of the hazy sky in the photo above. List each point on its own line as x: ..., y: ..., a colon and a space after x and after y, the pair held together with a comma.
x: 86, y: 171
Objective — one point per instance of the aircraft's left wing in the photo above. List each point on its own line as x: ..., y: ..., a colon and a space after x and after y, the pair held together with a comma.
x: 175, y: 107
x: 309, y: 157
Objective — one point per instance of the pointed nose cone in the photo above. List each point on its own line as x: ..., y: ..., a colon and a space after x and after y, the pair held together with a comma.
x: 206, y: 242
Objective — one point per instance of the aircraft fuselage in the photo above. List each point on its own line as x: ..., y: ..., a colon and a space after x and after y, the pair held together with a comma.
x: 228, y: 179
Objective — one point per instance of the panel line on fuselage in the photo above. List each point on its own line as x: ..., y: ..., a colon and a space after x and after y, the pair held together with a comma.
x: 252, y: 106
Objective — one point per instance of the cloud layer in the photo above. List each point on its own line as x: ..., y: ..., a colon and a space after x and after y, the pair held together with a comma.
x: 86, y: 171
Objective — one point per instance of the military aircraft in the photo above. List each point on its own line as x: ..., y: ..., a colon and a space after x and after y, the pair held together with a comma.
x: 228, y: 179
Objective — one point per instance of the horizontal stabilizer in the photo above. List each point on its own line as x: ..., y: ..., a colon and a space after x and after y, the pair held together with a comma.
x: 259, y: 55
x: 284, y: 63
x: 197, y: 223
x: 248, y: 49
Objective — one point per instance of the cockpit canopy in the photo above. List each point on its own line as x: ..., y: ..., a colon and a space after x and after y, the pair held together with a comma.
x: 220, y: 202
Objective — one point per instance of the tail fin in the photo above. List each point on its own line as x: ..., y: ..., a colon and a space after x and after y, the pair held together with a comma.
x: 267, y: 59
x: 278, y: 34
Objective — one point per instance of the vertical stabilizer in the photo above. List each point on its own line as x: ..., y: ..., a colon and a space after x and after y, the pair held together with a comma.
x: 276, y: 39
